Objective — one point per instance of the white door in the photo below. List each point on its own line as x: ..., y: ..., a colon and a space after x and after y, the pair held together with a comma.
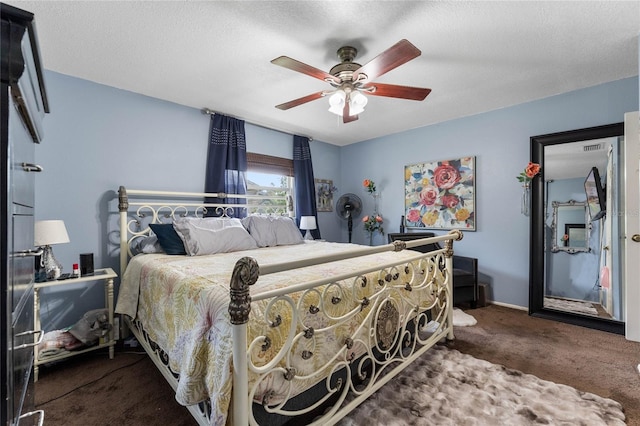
x: 631, y: 213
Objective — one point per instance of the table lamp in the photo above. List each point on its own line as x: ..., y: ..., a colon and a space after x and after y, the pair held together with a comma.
x: 47, y: 233
x: 307, y: 223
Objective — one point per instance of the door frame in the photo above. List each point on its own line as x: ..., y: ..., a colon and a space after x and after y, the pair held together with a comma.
x: 631, y: 213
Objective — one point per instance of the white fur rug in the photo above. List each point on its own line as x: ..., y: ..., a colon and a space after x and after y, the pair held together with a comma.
x: 446, y: 387
x: 462, y: 319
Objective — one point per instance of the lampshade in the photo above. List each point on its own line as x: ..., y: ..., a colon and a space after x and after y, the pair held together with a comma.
x: 308, y: 222
x: 336, y: 103
x: 48, y: 232
x: 357, y: 102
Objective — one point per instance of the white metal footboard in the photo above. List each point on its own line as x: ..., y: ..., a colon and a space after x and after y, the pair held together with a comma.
x: 396, y: 326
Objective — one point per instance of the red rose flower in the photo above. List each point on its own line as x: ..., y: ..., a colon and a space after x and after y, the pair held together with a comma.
x: 446, y: 176
x: 413, y: 215
x: 450, y: 201
x: 532, y: 169
x: 428, y: 196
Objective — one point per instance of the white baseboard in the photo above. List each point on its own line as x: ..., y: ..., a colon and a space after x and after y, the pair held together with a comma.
x: 508, y: 305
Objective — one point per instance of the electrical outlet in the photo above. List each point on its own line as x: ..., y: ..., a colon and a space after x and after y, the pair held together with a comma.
x: 116, y: 328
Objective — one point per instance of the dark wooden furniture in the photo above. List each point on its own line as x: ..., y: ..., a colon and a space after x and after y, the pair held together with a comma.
x: 465, y: 269
x: 23, y: 104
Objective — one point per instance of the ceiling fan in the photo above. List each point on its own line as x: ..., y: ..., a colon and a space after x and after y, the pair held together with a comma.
x: 351, y: 80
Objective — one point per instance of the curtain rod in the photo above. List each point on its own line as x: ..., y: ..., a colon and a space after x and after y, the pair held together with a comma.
x: 208, y: 111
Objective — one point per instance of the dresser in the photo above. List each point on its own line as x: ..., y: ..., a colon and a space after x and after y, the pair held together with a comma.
x: 23, y: 104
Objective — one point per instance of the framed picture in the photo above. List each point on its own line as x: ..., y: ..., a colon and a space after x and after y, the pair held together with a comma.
x: 440, y: 194
x: 324, y: 195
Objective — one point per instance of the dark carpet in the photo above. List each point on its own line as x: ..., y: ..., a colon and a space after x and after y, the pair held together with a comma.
x: 91, y: 389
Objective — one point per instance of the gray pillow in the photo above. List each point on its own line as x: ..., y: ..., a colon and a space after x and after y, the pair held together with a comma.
x: 148, y: 244
x: 213, y: 235
x: 269, y: 231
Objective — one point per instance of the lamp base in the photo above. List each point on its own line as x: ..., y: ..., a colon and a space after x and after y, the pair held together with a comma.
x: 308, y: 236
x: 52, y: 267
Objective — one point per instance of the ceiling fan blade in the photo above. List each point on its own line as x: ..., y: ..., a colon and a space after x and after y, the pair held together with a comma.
x: 398, y: 54
x: 292, y: 64
x: 300, y: 101
x: 395, y: 91
x: 349, y: 118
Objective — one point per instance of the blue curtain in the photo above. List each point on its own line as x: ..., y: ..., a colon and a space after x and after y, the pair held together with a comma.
x: 227, y: 161
x: 305, y: 189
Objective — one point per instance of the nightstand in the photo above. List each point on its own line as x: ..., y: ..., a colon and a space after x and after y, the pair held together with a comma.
x: 105, y: 276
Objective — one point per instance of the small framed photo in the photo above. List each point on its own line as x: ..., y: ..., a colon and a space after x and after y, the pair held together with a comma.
x: 324, y: 195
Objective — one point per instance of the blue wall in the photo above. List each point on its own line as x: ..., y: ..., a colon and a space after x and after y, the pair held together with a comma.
x: 98, y: 138
x: 500, y: 142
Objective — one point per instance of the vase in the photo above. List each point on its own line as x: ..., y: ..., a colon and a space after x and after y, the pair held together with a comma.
x: 525, y: 202
x: 376, y: 197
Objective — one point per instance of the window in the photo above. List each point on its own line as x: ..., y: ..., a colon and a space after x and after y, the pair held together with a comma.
x: 270, y: 180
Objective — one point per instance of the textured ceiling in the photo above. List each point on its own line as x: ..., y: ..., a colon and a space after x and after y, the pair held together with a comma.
x: 476, y: 56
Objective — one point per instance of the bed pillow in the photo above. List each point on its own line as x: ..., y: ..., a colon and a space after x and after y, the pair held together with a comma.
x: 214, y: 223
x: 148, y: 244
x: 287, y: 231
x: 203, y: 236
x: 168, y: 238
x: 269, y: 231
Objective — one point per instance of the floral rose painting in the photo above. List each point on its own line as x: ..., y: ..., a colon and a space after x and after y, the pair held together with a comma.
x: 441, y: 194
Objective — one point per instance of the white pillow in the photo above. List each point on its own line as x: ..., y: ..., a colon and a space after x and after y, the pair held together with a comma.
x: 213, y: 235
x: 269, y: 231
x: 209, y: 222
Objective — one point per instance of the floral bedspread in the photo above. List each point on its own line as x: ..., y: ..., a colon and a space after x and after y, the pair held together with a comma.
x: 183, y: 303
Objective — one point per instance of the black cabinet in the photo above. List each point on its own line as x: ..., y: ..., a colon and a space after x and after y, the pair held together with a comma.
x: 23, y: 104
x: 465, y: 269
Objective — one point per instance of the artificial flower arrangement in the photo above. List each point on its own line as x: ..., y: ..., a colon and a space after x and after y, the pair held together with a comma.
x: 369, y: 185
x: 372, y: 223
x: 529, y: 173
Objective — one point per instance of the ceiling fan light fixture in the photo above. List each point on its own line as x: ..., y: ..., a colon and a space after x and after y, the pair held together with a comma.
x: 336, y: 102
x: 357, y: 103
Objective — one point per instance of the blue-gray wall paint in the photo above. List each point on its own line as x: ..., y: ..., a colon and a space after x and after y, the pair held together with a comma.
x: 500, y: 141
x: 98, y: 138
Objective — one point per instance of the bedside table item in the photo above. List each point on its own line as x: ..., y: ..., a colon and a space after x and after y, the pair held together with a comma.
x: 308, y: 223
x: 106, y: 276
x: 86, y: 264
x: 47, y: 233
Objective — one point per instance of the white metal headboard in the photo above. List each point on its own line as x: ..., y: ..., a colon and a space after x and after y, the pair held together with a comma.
x: 139, y: 208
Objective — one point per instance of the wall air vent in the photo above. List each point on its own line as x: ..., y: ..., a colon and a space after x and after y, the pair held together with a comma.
x: 594, y: 147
